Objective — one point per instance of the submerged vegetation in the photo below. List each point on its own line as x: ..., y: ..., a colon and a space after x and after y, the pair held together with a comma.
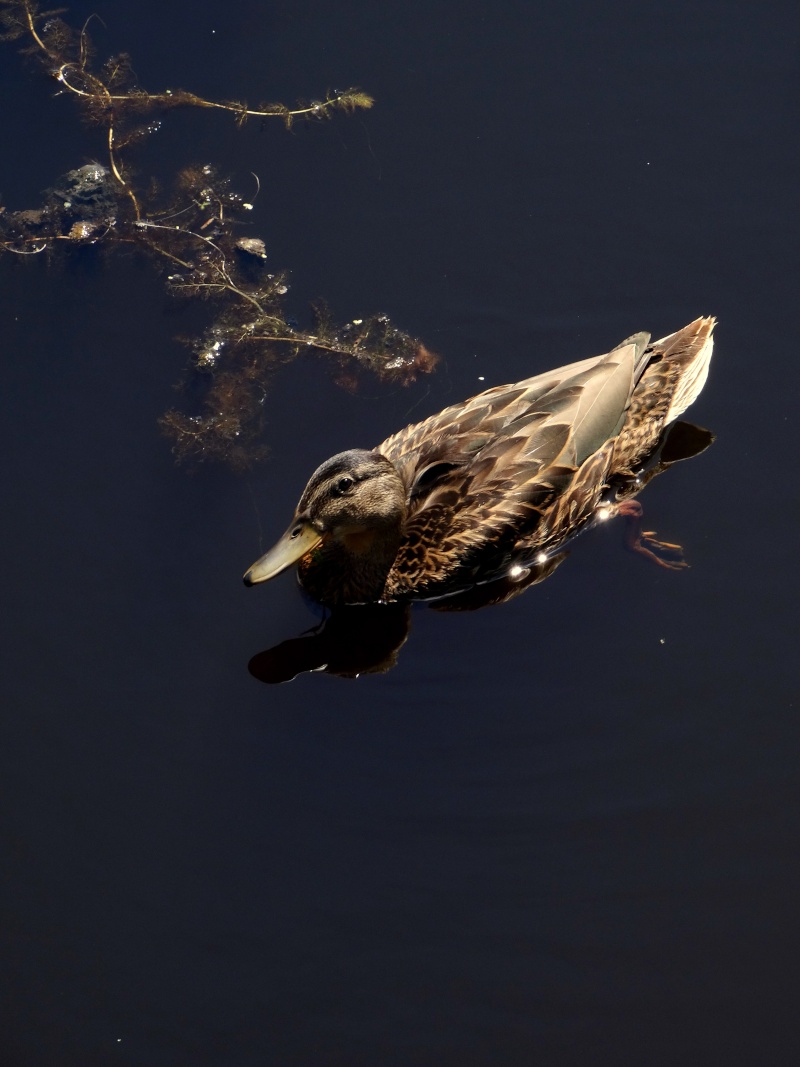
x: 195, y: 236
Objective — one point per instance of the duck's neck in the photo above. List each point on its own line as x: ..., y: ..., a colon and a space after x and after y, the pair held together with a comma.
x: 351, y: 568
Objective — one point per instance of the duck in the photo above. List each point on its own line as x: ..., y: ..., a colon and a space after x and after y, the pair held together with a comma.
x: 512, y: 473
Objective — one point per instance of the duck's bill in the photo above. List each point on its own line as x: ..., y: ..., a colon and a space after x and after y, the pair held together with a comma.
x: 300, y: 538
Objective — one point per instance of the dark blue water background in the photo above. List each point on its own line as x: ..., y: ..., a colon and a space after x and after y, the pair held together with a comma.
x: 561, y: 831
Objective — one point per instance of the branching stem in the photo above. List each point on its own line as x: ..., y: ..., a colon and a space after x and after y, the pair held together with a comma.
x: 196, y: 229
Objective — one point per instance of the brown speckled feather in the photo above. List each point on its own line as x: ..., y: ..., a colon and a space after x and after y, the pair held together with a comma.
x: 487, y: 487
x: 525, y: 466
x: 675, y: 373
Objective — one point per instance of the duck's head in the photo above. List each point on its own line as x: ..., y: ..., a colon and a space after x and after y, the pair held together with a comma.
x: 355, y: 501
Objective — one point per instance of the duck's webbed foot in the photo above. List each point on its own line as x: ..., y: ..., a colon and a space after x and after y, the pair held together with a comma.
x: 645, y: 543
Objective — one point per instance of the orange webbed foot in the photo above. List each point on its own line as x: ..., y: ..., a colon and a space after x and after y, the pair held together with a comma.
x: 645, y: 543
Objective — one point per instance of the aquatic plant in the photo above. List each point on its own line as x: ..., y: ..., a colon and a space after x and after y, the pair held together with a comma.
x: 195, y: 235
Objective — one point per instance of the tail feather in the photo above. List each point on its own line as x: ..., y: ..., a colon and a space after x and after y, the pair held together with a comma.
x: 691, y: 349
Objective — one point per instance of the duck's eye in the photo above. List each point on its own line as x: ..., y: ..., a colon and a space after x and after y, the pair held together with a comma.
x: 344, y: 485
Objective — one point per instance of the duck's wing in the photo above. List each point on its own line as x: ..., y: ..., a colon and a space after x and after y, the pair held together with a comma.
x: 460, y: 432
x: 505, y: 462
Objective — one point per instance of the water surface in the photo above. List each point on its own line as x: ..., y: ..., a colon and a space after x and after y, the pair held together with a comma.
x: 562, y: 830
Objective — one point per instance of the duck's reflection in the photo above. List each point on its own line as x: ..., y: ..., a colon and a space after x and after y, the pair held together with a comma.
x: 367, y: 638
x: 353, y: 640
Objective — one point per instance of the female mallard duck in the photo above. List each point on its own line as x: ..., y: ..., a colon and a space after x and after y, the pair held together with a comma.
x: 516, y: 470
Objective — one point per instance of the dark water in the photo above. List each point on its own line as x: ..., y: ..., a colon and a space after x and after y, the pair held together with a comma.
x: 561, y: 831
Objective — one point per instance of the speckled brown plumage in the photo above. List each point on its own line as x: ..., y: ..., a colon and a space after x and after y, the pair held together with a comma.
x: 517, y: 469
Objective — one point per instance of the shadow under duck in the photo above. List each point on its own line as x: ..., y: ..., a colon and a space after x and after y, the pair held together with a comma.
x: 517, y: 470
